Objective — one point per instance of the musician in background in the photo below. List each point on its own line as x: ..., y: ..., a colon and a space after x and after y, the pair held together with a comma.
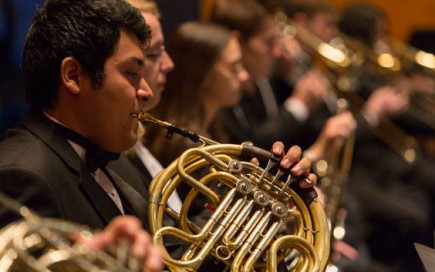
x: 259, y: 117
x: 319, y: 18
x: 157, y: 65
x: 212, y: 55
x: 396, y: 196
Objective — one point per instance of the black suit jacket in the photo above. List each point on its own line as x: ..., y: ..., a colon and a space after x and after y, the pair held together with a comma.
x: 248, y: 121
x: 41, y: 170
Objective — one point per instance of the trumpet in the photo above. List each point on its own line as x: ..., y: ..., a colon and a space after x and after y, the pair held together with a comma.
x: 260, y: 218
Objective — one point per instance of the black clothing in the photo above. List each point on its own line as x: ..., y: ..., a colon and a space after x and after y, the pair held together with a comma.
x: 41, y: 170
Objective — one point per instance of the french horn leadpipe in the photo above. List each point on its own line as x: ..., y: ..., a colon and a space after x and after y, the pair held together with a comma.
x: 259, y: 218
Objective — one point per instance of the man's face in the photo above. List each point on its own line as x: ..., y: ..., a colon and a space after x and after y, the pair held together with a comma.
x: 108, y: 113
x: 157, y: 63
x: 323, y: 25
x: 261, y: 50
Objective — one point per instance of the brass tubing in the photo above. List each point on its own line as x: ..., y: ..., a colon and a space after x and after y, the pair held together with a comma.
x: 238, y: 232
x: 249, y: 243
x: 310, y: 262
x: 261, y: 246
x: 237, y: 224
x: 195, y: 262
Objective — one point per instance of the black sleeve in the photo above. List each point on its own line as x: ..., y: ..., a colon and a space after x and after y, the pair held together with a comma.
x: 36, y: 194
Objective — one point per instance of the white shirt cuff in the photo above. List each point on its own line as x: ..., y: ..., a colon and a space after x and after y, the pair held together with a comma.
x: 297, y: 108
x: 372, y: 119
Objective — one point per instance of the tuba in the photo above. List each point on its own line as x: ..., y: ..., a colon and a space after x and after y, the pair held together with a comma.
x: 256, y: 219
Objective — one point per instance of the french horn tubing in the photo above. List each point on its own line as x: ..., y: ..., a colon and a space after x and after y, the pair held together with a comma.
x: 41, y: 244
x: 259, y: 218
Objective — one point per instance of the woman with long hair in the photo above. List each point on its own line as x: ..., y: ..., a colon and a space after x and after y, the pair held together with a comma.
x: 207, y: 77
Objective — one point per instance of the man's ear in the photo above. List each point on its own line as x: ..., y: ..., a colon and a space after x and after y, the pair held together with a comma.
x: 70, y: 73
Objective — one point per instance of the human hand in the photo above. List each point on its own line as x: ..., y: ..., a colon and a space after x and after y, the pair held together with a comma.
x: 128, y: 228
x: 292, y: 161
x: 338, y: 127
x: 336, y: 130
x: 311, y: 89
x: 291, y: 49
x: 386, y: 102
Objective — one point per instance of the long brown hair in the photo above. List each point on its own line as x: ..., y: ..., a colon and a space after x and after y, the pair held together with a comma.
x: 194, y: 48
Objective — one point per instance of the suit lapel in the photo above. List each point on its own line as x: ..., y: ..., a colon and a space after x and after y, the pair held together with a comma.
x: 135, y: 160
x: 45, y: 129
x: 132, y: 198
x: 99, y: 199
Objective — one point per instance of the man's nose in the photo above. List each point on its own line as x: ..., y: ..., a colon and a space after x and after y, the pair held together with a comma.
x: 243, y: 75
x: 167, y: 63
x: 144, y: 92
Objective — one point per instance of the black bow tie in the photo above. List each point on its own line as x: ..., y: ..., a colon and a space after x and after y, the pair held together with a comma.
x: 95, y: 156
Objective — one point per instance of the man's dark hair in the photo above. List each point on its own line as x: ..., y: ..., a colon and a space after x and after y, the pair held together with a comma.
x: 86, y: 30
x: 307, y: 7
x: 245, y: 16
x: 359, y: 21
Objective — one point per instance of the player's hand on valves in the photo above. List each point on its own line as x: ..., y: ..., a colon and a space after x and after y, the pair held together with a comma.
x: 292, y: 161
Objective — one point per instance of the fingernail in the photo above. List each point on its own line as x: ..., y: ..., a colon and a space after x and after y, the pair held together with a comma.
x: 297, y: 170
x: 277, y: 150
x: 285, y: 163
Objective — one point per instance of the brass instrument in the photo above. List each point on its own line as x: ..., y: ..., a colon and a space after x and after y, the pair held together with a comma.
x: 415, y: 56
x: 334, y: 172
x: 397, y: 61
x: 343, y: 58
x: 45, y: 244
x: 258, y: 221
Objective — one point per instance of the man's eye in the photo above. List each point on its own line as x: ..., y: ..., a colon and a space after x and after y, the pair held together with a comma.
x: 134, y: 78
x: 156, y: 54
x: 133, y: 75
x: 153, y: 56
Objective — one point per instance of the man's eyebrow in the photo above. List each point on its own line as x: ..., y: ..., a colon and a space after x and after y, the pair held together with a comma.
x: 139, y: 61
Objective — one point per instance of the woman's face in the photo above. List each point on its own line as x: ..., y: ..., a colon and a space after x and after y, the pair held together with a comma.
x: 222, y: 86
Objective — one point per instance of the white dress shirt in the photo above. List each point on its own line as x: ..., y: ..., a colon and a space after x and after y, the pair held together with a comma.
x: 98, y: 175
x: 154, y: 167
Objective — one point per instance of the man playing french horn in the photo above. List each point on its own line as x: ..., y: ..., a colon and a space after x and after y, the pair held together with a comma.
x: 82, y: 67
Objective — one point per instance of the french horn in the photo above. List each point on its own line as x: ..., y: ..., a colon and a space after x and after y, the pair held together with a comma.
x: 259, y: 219
x: 40, y: 244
